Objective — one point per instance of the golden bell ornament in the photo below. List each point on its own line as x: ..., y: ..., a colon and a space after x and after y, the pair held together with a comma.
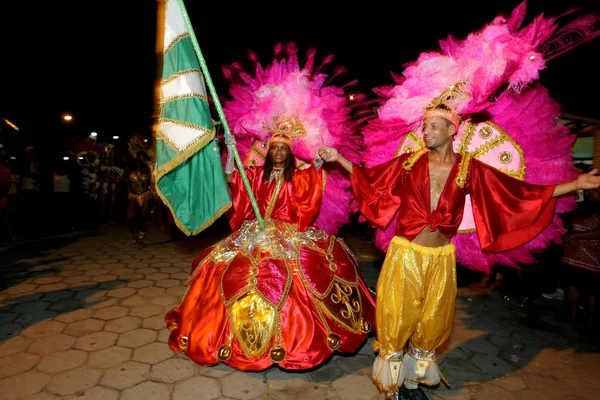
x: 183, y: 343
x: 224, y: 352
x: 333, y: 341
x: 277, y: 354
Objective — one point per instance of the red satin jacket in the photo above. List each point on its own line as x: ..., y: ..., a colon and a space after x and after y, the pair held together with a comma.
x: 298, y: 202
x: 507, y: 212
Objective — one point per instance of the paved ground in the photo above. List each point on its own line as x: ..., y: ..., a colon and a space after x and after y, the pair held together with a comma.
x: 82, y: 318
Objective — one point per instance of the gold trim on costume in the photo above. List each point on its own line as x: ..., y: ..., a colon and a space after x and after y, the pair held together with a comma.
x: 274, y: 197
x: 290, y: 126
x: 489, y: 145
x: 467, y: 137
x: 463, y: 169
x: 253, y: 321
x: 408, y: 164
x: 344, y: 307
x: 336, y: 279
x: 140, y: 198
x: 408, y: 149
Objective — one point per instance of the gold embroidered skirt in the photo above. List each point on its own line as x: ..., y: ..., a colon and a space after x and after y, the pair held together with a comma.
x: 272, y: 296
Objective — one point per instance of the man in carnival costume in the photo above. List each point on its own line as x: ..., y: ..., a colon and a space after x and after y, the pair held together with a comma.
x: 288, y: 293
x: 420, y: 195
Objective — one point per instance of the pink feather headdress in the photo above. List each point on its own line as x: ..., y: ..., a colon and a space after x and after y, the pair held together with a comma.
x: 496, y: 69
x: 300, y: 101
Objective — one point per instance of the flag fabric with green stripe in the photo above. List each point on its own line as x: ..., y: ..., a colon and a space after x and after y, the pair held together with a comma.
x: 189, y: 173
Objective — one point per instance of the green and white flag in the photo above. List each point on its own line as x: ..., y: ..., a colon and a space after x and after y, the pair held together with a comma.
x: 189, y: 173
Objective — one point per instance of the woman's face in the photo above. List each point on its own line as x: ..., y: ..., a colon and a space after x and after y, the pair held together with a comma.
x: 279, y: 153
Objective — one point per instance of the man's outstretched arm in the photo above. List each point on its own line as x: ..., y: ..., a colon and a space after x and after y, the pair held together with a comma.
x: 329, y: 154
x: 591, y: 180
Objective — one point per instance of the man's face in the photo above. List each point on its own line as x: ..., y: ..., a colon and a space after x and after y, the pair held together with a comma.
x: 279, y: 153
x: 437, y: 132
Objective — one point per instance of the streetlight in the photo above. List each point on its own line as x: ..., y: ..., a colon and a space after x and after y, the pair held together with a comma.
x: 67, y: 117
x: 16, y: 128
x: 115, y: 137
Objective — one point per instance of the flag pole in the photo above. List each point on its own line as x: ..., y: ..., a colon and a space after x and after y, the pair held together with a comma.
x: 217, y: 104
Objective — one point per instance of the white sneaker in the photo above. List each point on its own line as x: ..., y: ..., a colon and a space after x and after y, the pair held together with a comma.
x: 558, y: 294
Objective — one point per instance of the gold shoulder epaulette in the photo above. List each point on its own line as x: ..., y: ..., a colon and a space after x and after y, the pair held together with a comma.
x: 408, y: 164
x: 463, y: 169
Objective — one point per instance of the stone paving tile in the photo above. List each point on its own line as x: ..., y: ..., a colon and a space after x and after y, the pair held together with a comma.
x: 125, y: 375
x: 123, y: 324
x: 121, y: 292
x: 140, y: 284
x: 147, y: 391
x: 243, y: 386
x: 60, y: 362
x: 156, y: 322
x: 146, y: 310
x: 16, y: 363
x: 109, y: 313
x: 14, y: 345
x: 84, y: 326
x: 172, y: 370
x: 109, y: 357
x: 355, y: 387
x: 187, y: 389
x: 137, y: 338
x: 134, y: 301
x: 51, y: 344
x: 95, y: 393
x: 96, y: 341
x: 45, y: 396
x: 23, y: 385
x: 151, y: 292
x: 74, y: 380
x: 152, y: 353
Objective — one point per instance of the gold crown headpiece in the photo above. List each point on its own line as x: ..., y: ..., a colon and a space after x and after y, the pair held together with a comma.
x: 441, y: 106
x: 281, y: 138
x: 290, y: 126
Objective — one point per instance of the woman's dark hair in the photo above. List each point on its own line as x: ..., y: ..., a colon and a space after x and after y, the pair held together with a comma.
x: 288, y: 169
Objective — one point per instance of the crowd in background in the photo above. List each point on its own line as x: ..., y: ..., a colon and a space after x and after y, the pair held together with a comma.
x: 40, y: 198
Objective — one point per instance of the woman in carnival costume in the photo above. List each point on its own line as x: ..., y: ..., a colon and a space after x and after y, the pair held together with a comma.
x: 140, y: 187
x: 444, y: 180
x: 290, y: 293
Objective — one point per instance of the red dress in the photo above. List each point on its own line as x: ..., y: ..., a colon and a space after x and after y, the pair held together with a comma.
x: 288, y: 294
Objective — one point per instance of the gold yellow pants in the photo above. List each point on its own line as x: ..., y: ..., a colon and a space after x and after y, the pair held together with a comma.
x: 416, y: 295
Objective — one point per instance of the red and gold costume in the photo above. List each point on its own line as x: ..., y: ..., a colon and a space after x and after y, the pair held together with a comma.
x: 288, y: 294
x: 416, y: 289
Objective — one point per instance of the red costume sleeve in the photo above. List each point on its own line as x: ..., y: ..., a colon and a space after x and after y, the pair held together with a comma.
x: 307, y: 192
x: 376, y: 190
x: 242, y: 208
x: 507, y: 212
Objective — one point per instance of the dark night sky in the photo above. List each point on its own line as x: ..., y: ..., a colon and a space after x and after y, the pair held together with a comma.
x: 96, y: 60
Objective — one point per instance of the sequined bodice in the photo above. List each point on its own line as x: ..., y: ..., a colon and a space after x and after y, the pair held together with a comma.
x: 138, y: 182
